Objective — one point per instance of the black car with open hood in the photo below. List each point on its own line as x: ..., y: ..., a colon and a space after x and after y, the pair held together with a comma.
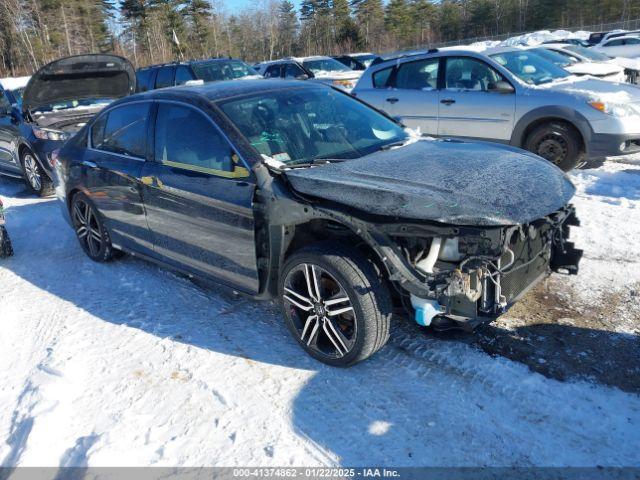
x: 57, y: 101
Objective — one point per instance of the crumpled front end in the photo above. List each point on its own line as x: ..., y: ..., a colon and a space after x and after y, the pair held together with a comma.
x: 471, y: 275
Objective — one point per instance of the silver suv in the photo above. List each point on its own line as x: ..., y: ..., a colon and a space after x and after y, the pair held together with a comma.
x: 511, y: 96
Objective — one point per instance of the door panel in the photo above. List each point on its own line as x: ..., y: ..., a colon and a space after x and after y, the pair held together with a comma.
x: 200, y: 216
x: 415, y: 97
x: 9, y: 135
x: 469, y: 107
x: 113, y: 168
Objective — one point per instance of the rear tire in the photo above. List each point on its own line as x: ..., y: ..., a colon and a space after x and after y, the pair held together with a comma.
x: 90, y: 230
x: 558, y: 142
x: 335, y: 304
x: 35, y: 176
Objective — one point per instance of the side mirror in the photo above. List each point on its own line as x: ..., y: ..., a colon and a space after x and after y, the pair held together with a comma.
x: 502, y: 87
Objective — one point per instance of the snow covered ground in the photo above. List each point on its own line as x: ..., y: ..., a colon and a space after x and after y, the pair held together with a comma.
x: 127, y: 364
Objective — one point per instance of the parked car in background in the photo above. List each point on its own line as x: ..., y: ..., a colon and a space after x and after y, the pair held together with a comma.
x: 628, y: 47
x: 291, y: 190
x: 316, y: 69
x: 356, y: 61
x: 179, y: 73
x: 598, y: 63
x: 508, y: 95
x: 569, y: 41
x: 575, y: 65
x: 57, y: 101
x: 14, y: 87
x: 6, y: 249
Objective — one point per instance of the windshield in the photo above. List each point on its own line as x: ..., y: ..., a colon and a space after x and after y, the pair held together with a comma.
x: 303, y: 125
x: 555, y: 57
x: 588, y: 53
x: 222, y: 70
x: 320, y: 65
x: 530, y: 67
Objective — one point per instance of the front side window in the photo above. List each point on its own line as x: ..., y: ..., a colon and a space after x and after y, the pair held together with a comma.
x: 418, y: 75
x: 464, y: 73
x: 614, y: 43
x: 293, y: 71
x: 306, y: 124
x: 588, y: 53
x: 183, y: 75
x: 125, y: 130
x: 222, y: 70
x: 185, y: 138
x: 272, y: 72
x: 165, y: 77
x: 530, y: 67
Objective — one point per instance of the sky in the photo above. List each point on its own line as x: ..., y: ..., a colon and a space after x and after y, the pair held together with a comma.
x: 234, y: 6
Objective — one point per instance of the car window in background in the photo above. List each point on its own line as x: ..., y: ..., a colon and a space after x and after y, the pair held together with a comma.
x: 185, y: 136
x: 272, y: 72
x: 165, y: 77
x: 381, y: 78
x: 125, y: 131
x: 325, y: 65
x: 464, y: 73
x: 530, y: 67
x: 418, y: 75
x: 183, y: 75
x: 554, y: 57
x: 292, y: 70
x: 301, y: 125
x: 142, y: 78
x: 5, y: 105
x: 366, y: 59
x: 588, y: 53
x: 222, y: 70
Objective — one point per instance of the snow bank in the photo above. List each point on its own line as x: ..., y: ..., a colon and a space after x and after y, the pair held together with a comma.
x: 13, y: 83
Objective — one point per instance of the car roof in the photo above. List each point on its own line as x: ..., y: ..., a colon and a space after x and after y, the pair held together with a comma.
x: 187, y: 62
x: 215, y: 91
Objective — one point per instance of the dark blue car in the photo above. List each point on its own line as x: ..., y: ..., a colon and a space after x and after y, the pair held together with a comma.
x: 58, y: 100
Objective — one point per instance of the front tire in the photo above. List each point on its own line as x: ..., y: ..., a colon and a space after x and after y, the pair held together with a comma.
x: 335, y: 304
x: 90, y: 230
x: 557, y: 142
x: 35, y: 176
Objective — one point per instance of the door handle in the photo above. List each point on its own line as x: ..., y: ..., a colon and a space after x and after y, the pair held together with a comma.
x: 88, y: 163
x: 392, y: 100
x: 447, y: 101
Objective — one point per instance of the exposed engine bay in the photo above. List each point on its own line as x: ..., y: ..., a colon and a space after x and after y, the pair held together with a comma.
x: 479, y: 274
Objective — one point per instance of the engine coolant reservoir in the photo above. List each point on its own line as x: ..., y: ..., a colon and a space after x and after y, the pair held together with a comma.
x: 449, y: 251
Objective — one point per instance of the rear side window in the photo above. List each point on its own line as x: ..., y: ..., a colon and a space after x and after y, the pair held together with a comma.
x: 142, y: 77
x: 381, y: 78
x: 418, y: 75
x: 165, y: 77
x: 273, y: 71
x: 125, y: 130
x: 184, y: 136
x: 183, y: 75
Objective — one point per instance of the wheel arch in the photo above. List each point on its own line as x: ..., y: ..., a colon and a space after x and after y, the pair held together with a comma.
x: 543, y: 115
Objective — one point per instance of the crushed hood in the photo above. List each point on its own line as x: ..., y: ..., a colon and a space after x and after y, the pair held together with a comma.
x: 79, y: 78
x: 458, y: 183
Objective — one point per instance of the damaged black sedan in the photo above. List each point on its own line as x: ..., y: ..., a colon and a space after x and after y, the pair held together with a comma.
x: 301, y: 193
